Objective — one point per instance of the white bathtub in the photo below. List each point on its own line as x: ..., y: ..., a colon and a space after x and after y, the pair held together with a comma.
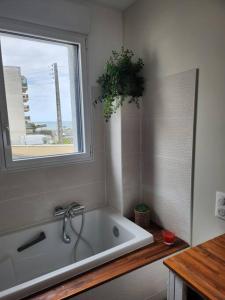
x: 51, y: 261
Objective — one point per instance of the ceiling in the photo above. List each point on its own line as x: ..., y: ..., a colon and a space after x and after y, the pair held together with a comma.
x: 118, y: 4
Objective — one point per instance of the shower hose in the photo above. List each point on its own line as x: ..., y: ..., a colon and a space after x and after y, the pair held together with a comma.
x: 79, y: 235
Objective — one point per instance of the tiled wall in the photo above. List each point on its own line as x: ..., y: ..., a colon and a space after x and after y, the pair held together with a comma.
x: 29, y: 197
x: 149, y: 153
x: 124, y: 158
x: 114, y: 173
x: 177, y: 35
x: 131, y: 157
x: 168, y: 119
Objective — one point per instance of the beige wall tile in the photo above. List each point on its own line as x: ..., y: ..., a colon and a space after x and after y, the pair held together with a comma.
x: 30, y: 210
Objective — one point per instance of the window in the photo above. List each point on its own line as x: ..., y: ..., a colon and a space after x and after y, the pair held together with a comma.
x: 44, y: 109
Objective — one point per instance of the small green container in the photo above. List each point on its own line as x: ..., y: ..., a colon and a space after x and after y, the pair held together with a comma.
x: 142, y: 215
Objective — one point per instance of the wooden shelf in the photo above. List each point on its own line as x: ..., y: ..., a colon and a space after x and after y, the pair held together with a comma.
x: 113, y: 269
x: 202, y: 268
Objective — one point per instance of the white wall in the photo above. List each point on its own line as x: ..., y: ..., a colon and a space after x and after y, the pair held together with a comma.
x: 29, y: 197
x: 168, y: 120
x: 173, y: 36
x: 123, y: 144
x: 62, y: 14
x: 114, y: 173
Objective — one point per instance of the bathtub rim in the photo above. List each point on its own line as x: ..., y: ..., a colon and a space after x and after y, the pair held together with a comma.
x: 52, y: 278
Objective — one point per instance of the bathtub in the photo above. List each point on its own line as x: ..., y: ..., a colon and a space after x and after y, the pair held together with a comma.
x: 106, y: 236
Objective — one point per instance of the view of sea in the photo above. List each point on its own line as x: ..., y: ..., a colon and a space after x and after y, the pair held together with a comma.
x: 53, y: 125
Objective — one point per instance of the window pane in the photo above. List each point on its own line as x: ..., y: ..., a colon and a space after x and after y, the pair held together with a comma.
x: 40, y: 90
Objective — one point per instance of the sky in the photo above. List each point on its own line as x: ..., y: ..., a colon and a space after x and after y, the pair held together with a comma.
x: 35, y: 59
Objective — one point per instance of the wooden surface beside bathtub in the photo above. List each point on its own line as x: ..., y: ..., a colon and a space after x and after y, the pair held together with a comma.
x: 202, y: 267
x: 113, y: 269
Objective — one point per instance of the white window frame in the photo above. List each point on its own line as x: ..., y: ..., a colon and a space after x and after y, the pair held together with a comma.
x: 57, y: 35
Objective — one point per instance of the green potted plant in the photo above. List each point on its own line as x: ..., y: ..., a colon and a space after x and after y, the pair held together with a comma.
x: 142, y: 215
x: 121, y: 81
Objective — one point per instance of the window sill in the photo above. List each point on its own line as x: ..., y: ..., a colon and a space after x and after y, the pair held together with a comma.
x: 54, y: 161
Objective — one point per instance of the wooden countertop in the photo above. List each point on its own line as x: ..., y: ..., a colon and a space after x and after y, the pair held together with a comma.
x: 203, y: 268
x: 113, y: 269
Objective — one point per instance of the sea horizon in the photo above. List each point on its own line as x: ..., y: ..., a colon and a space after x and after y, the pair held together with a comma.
x: 53, y: 124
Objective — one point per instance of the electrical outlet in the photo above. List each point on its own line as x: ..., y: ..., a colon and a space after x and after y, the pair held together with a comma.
x: 220, y: 205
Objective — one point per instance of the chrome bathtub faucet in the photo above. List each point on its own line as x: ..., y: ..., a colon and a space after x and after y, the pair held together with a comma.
x: 67, y: 213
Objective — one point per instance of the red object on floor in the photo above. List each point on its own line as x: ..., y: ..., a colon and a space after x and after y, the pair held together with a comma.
x: 168, y: 237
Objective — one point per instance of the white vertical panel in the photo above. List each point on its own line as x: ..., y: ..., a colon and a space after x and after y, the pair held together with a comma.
x: 168, y: 138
